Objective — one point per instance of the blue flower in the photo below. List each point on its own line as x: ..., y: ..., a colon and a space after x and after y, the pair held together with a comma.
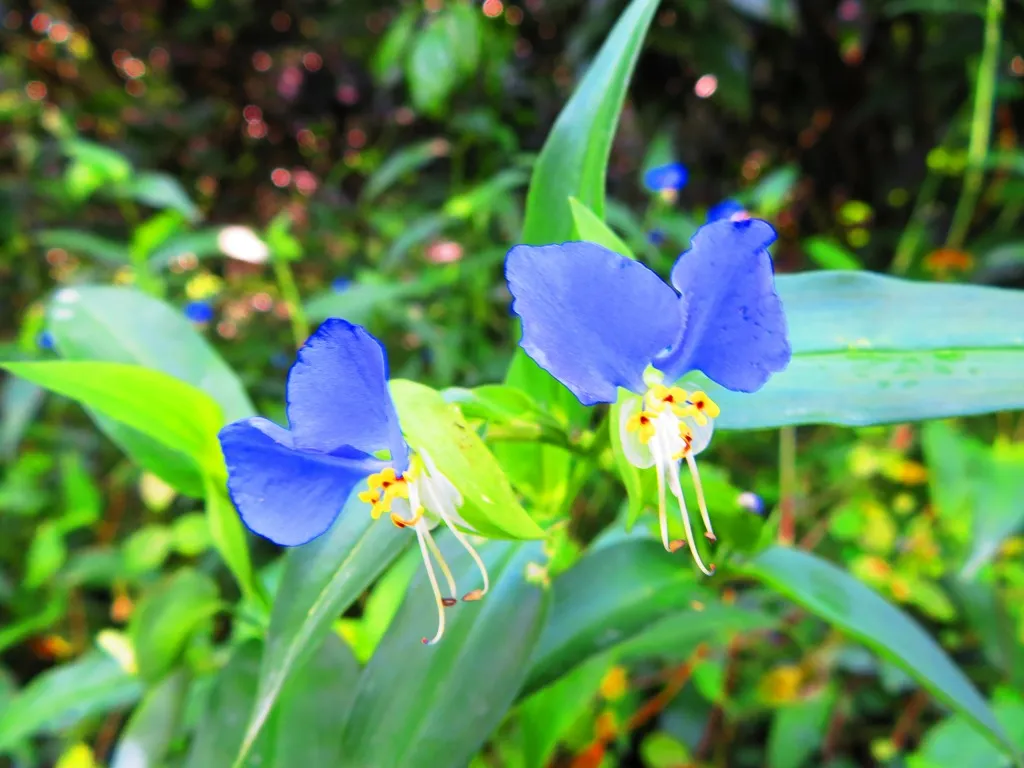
x: 727, y: 209
x: 751, y: 502
x: 199, y: 311
x: 670, y: 177
x: 45, y: 340
x: 597, y: 321
x: 656, y: 237
x: 289, y: 485
x: 340, y: 284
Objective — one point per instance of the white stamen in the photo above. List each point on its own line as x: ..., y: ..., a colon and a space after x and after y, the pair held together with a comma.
x: 677, y: 491
x: 659, y: 469
x: 423, y: 535
x: 700, y: 496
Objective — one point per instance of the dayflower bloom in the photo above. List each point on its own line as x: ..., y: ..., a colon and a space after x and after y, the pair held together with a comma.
x: 199, y: 311
x: 597, y: 321
x: 289, y: 485
x: 669, y: 177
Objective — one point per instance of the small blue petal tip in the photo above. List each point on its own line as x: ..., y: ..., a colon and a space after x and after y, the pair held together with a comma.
x: 751, y: 502
x: 727, y: 209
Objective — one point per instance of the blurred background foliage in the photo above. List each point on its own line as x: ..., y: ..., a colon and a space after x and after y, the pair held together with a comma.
x: 380, y: 152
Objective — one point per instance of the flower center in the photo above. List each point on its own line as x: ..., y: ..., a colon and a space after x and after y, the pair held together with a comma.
x: 667, y: 426
x: 421, y: 491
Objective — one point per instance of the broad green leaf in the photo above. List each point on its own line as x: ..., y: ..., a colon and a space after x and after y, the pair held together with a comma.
x: 450, y: 696
x: 572, y: 163
x: 869, y: 349
x: 202, y: 244
x: 315, y: 702
x: 85, y: 243
x: 970, y: 480
x: 829, y: 254
x: 228, y: 535
x: 386, y: 64
x: 147, y: 738
x: 125, y: 325
x: 20, y: 401
x: 401, y: 164
x: 798, y: 729
x: 177, y: 414
x: 154, y: 232
x: 546, y: 715
x: 463, y: 24
x: 588, y: 226
x: 955, y: 741
x: 64, y: 696
x: 841, y: 600
x: 159, y: 190
x: 222, y: 725
x: 167, y: 617
x: 320, y: 581
x: 610, y: 595
x: 510, y: 413
x: 439, y: 429
x: 433, y: 68
x: 46, y: 554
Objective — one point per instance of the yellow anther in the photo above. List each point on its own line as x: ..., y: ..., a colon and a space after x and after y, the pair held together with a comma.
x: 383, y: 488
x: 383, y: 479
x: 686, y: 435
x: 643, y: 424
x: 659, y: 396
x: 702, y: 408
x: 403, y: 522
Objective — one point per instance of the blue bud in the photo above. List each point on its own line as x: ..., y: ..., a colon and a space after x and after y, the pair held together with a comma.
x: 45, y: 340
x: 751, y: 502
x: 726, y: 209
x: 340, y: 284
x: 199, y: 311
x: 672, y: 176
x: 655, y: 237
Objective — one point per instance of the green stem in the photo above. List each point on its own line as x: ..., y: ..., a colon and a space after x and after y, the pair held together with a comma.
x: 290, y: 293
x: 981, y: 126
x: 910, y: 240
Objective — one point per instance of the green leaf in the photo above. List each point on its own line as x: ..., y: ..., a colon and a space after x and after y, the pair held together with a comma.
x: 589, y: 227
x: 401, y: 164
x: 167, y: 617
x: 799, y: 729
x: 955, y: 741
x: 437, y: 428
x: 20, y: 401
x: 320, y: 581
x: 64, y: 696
x: 228, y: 535
x: 161, y: 191
x: 546, y: 715
x: 222, y: 726
x: 147, y: 738
x: 359, y: 301
x: 154, y: 232
x: 827, y: 253
x: 315, y: 701
x: 177, y: 414
x: 612, y: 594
x: 203, y: 244
x: 450, y: 696
x: 772, y: 193
x: 841, y: 600
x: 46, y: 554
x: 127, y: 326
x: 386, y: 64
x: 572, y: 163
x: 85, y: 243
x: 510, y: 413
x: 869, y: 349
x: 433, y: 68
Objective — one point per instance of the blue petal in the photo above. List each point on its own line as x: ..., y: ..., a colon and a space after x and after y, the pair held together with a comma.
x: 338, y: 394
x: 724, y: 210
x: 591, y: 318
x: 671, y: 176
x: 735, y: 326
x: 283, y: 494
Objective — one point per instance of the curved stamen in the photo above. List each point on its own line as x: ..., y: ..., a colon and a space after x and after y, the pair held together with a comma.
x: 662, y: 516
x: 423, y: 536
x: 436, y: 551
x: 438, y: 506
x: 677, y: 491
x: 709, y: 532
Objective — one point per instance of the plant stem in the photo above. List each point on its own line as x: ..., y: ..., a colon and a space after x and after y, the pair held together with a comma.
x: 787, y: 486
x: 981, y: 126
x: 290, y: 293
